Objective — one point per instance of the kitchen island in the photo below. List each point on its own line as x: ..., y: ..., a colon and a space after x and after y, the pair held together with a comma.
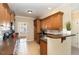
x: 62, y: 36
x: 57, y: 44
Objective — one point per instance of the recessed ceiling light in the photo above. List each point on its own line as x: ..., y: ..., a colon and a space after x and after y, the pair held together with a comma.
x: 29, y: 11
x: 49, y: 8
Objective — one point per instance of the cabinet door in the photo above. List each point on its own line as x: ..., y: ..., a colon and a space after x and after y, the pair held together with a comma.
x: 38, y: 26
x: 37, y: 30
x: 56, y: 22
x: 53, y: 22
x: 43, y: 48
x: 12, y: 17
x: 49, y: 23
x: 8, y: 18
x: 4, y: 15
x: 43, y: 24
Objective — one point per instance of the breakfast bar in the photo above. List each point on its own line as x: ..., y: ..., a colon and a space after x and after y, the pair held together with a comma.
x: 56, y: 44
x: 62, y: 36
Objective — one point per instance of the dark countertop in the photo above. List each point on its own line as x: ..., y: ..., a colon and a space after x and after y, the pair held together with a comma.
x: 59, y: 35
x: 43, y: 39
x: 63, y: 37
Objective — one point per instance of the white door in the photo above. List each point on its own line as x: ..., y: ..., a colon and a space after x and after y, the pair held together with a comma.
x: 75, y: 29
x: 22, y: 28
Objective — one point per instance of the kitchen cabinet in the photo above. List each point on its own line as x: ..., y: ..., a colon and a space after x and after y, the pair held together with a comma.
x: 12, y: 17
x: 37, y: 30
x: 43, y: 47
x: 53, y: 22
x: 5, y: 14
x: 5, y: 20
x: 38, y: 25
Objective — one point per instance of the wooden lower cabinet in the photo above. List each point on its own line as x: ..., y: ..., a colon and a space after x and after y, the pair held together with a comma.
x: 37, y: 38
x: 43, y: 47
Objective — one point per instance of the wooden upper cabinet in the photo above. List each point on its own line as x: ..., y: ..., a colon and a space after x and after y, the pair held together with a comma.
x: 44, y: 24
x: 12, y: 17
x: 5, y: 14
x: 37, y: 25
x: 2, y: 14
x: 53, y: 22
x: 8, y: 17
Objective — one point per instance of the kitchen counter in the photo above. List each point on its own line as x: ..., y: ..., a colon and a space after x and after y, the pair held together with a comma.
x: 59, y: 35
x: 62, y: 36
x: 56, y: 43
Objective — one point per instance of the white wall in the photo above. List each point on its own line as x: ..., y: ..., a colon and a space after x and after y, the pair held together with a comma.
x: 30, y: 26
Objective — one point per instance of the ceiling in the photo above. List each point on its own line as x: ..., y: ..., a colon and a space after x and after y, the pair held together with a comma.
x: 38, y: 9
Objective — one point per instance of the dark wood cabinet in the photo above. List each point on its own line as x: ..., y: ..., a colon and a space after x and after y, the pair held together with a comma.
x: 53, y: 22
x: 37, y: 30
x: 43, y: 47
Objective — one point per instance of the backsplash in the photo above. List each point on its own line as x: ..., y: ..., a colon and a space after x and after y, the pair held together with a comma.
x: 64, y: 31
x: 53, y: 32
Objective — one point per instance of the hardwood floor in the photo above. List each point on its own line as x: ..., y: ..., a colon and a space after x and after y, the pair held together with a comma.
x: 27, y: 48
x: 6, y: 49
x: 21, y: 48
